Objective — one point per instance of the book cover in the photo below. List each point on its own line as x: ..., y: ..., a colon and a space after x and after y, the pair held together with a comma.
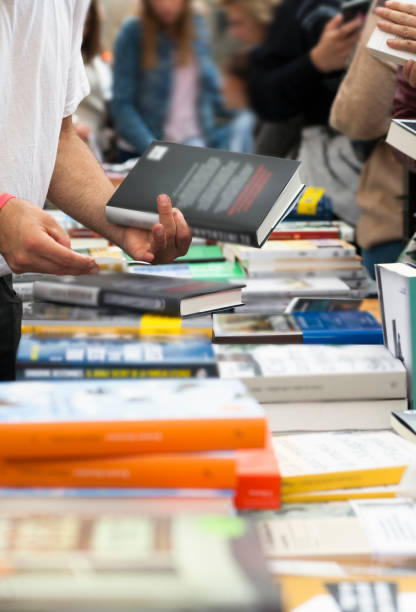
x: 339, y: 327
x: 46, y: 358
x: 223, y: 195
x: 109, y: 418
x: 91, y: 560
x: 202, y: 253
x: 324, y: 461
x: 397, y: 293
x: 292, y: 373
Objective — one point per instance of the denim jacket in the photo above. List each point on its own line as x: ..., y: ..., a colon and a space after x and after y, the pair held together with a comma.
x: 141, y: 97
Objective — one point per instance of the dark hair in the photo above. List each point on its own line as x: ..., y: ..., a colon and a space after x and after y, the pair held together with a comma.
x: 238, y: 65
x: 91, y: 42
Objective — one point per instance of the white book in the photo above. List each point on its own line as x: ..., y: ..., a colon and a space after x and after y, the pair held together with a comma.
x: 299, y: 373
x: 402, y: 136
x: 378, y: 47
x: 332, y: 416
x: 397, y: 292
x: 293, y: 287
x: 277, y: 250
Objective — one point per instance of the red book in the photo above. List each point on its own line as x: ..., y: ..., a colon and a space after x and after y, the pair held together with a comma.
x: 258, y: 479
x: 318, y: 234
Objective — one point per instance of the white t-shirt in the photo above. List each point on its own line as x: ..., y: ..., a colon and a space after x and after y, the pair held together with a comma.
x: 42, y: 80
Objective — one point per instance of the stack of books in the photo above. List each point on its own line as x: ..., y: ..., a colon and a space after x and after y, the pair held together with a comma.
x: 187, y: 435
x: 316, y: 388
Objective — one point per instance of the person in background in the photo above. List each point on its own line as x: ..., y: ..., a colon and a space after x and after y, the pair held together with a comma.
x: 91, y: 119
x: 236, y: 69
x: 363, y: 110
x: 166, y: 86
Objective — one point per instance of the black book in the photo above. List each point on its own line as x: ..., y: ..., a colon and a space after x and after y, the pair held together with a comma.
x: 165, y: 295
x: 225, y: 196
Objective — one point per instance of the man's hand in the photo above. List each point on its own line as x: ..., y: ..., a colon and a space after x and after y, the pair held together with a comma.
x: 336, y: 44
x: 399, y: 18
x: 168, y: 239
x: 32, y: 241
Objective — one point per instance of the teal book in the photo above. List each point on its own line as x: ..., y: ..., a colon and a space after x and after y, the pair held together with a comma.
x: 200, y: 253
x: 397, y: 293
x: 215, y: 271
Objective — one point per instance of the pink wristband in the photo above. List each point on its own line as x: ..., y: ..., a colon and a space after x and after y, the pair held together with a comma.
x: 4, y: 198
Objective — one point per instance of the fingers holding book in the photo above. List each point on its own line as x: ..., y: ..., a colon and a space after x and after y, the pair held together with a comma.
x: 399, y: 19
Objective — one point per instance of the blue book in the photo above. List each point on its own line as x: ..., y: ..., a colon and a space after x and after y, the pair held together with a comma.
x: 75, y: 358
x: 339, y: 327
x: 312, y: 327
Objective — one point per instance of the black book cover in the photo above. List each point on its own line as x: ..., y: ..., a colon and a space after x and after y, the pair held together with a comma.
x: 225, y: 196
x: 140, y: 293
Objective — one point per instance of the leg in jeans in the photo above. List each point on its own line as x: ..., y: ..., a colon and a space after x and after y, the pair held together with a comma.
x: 10, y: 327
x: 387, y: 252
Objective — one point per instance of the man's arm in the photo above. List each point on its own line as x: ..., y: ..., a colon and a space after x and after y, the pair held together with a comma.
x: 80, y: 188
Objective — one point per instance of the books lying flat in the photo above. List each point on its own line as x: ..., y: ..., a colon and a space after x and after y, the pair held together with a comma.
x: 404, y: 423
x: 94, y: 561
x: 224, y: 196
x: 202, y: 253
x: 45, y: 358
x: 212, y: 470
x: 397, y: 293
x: 332, y: 415
x: 151, y: 293
x: 277, y: 250
x: 378, y: 47
x: 88, y: 419
x: 324, y: 461
x: 342, y: 327
x: 310, y: 267
x: 307, y: 230
x: 221, y: 271
x: 296, y: 373
x: 259, y: 288
x: 48, y: 319
x: 402, y: 136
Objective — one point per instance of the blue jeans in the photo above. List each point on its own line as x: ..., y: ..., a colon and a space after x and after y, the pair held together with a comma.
x: 387, y: 252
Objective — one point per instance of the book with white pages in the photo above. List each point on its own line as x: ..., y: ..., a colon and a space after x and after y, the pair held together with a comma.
x: 378, y: 47
x: 402, y: 136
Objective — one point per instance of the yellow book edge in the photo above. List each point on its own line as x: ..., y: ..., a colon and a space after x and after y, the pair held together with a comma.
x: 387, y: 492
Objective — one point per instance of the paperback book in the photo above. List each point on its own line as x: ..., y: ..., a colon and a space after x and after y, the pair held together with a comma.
x: 379, y: 48
x: 223, y: 195
x: 98, y: 419
x: 45, y: 358
x: 297, y: 373
x: 152, y: 293
x: 402, y: 136
x: 342, y: 327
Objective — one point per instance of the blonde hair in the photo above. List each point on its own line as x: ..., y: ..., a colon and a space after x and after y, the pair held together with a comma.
x: 260, y: 10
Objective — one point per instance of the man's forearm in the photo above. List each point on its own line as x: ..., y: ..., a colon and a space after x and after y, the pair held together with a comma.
x: 79, y: 186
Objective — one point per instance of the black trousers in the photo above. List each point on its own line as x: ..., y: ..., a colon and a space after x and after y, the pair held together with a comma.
x: 10, y: 328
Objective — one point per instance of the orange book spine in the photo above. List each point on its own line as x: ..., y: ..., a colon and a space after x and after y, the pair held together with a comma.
x: 103, y: 439
x: 258, y: 479
x: 175, y: 470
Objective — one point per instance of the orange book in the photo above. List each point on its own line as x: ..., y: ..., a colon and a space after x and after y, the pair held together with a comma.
x: 170, y: 470
x: 109, y: 418
x: 258, y: 479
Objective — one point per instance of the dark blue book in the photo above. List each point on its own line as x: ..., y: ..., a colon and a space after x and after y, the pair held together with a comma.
x: 74, y: 358
x: 312, y: 327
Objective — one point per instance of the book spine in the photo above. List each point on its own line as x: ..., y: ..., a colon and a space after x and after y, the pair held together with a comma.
x: 342, y: 480
x: 97, y: 439
x: 354, y: 386
x: 44, y: 371
x: 247, y: 238
x: 210, y: 470
x: 305, y: 234
x: 66, y: 294
x: 327, y: 496
x: 67, y: 331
